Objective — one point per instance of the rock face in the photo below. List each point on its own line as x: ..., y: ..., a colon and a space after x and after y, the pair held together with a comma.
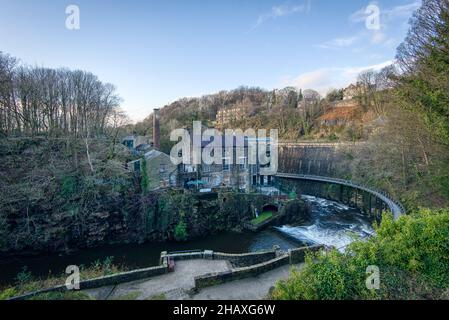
x: 154, y: 218
x: 296, y: 211
x: 50, y: 201
x: 62, y: 232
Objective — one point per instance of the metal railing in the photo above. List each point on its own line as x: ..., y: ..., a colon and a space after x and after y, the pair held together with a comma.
x: 184, y: 251
x: 395, y: 206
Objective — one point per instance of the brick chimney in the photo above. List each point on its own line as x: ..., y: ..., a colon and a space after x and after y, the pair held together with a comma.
x: 156, y: 130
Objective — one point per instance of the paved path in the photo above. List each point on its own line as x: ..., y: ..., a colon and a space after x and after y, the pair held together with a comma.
x: 178, y: 284
x: 255, y: 288
x: 174, y: 285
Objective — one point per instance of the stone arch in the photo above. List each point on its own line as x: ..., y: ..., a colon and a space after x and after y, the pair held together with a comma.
x: 270, y: 207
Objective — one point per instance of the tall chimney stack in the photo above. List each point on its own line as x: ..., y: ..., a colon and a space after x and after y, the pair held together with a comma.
x: 156, y: 130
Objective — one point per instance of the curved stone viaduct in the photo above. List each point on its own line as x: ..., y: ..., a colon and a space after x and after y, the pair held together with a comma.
x: 320, y: 159
x: 395, y: 207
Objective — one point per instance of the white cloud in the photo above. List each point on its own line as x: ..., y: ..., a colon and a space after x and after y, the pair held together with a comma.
x: 388, y: 15
x: 324, y: 79
x: 378, y: 37
x: 404, y: 11
x: 358, y: 16
x: 338, y: 43
x: 282, y: 11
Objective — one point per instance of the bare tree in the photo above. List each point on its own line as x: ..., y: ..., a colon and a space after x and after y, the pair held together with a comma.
x: 53, y: 102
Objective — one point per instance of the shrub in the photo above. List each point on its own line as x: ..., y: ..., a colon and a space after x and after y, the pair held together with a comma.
x: 8, y: 293
x: 145, y: 180
x: 107, y: 265
x: 412, y: 254
x: 24, y: 276
x: 67, y: 295
x: 26, y: 283
x: 68, y: 186
x: 181, y: 231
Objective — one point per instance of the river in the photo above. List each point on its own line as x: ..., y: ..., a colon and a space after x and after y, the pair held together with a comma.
x: 332, y: 224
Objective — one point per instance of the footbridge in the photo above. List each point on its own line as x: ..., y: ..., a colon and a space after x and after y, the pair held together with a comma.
x: 394, y: 206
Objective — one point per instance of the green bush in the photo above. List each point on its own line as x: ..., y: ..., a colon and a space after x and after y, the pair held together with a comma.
x: 68, y: 295
x: 293, y: 195
x: 145, y: 181
x: 412, y: 254
x: 8, y: 293
x: 181, y: 231
x: 68, y: 186
x: 24, y: 276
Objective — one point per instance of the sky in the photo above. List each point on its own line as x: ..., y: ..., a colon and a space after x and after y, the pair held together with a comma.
x: 156, y: 52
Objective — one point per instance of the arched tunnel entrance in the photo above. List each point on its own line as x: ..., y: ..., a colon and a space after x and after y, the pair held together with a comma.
x: 270, y: 208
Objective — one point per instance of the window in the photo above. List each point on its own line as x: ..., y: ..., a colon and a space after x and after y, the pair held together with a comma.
x: 136, y: 166
x: 188, y: 168
x: 206, y: 168
x: 226, y: 164
x: 242, y: 163
x: 129, y: 143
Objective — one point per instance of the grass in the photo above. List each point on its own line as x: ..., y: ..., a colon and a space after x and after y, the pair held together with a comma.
x: 26, y: 283
x: 262, y: 217
x: 160, y: 296
x: 68, y: 295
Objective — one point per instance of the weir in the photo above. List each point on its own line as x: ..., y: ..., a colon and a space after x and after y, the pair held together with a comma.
x: 368, y: 200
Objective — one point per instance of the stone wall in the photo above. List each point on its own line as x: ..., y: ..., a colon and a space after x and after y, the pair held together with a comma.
x: 298, y: 255
x: 243, y: 266
x: 245, y: 259
x: 109, y: 280
x: 294, y: 256
x: 217, y: 278
x: 320, y: 159
x: 124, y: 277
x: 236, y: 260
x: 194, y: 255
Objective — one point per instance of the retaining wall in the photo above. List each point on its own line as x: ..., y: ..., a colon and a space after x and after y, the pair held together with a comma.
x: 298, y: 255
x: 216, y: 278
x: 294, y: 256
x: 244, y: 265
x: 245, y: 259
x: 236, y: 260
x: 109, y: 280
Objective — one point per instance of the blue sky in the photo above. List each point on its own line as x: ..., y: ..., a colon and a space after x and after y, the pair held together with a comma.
x: 158, y: 51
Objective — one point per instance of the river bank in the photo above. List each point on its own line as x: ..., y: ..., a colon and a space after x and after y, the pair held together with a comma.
x: 330, y: 221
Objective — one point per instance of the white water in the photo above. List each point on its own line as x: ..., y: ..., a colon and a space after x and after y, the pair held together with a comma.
x: 333, y: 224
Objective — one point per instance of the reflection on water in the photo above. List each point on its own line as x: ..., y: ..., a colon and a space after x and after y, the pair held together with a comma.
x: 332, y: 224
x: 142, y: 255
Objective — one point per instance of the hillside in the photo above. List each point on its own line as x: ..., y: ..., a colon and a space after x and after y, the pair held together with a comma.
x: 297, y: 114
